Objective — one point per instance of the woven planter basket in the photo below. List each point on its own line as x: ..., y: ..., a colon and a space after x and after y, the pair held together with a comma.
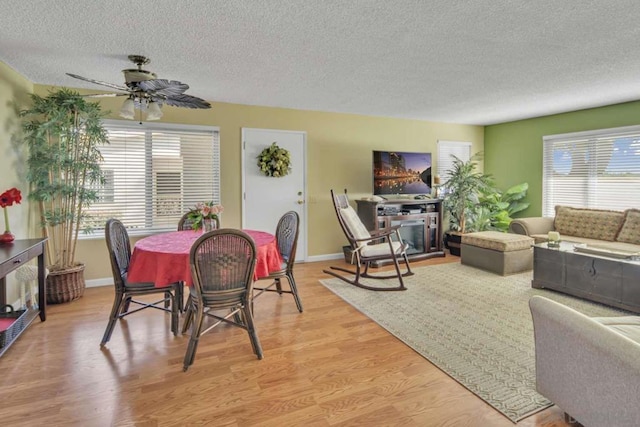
x: 65, y: 285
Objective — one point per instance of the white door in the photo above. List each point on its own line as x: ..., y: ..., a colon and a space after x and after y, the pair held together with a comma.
x: 266, y: 199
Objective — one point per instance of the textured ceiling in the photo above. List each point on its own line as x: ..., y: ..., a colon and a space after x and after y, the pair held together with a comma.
x: 474, y: 62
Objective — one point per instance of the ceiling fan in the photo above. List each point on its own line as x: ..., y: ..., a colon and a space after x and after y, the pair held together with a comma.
x: 146, y: 92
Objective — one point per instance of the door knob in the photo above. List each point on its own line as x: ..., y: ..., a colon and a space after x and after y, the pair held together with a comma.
x: 300, y: 202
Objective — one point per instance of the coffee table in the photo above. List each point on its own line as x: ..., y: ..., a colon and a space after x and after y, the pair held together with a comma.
x: 610, y: 279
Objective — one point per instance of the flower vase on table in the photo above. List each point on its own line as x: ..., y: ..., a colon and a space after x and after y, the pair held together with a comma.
x: 7, y: 237
x: 203, y: 217
x: 553, y: 240
x: 8, y: 198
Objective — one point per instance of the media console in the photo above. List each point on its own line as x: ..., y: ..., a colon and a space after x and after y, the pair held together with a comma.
x: 420, y: 221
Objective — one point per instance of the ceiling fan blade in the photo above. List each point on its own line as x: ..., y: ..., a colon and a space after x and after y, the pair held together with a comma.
x: 186, y: 101
x: 104, y: 95
x: 163, y: 87
x: 98, y: 82
x: 142, y: 90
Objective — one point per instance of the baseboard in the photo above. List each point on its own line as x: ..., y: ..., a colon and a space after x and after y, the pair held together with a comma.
x: 326, y: 257
x: 94, y: 283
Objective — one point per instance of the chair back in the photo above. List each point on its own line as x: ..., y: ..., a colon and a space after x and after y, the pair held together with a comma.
x: 186, y: 223
x: 349, y: 220
x: 287, y: 237
x: 119, y: 248
x: 222, y: 266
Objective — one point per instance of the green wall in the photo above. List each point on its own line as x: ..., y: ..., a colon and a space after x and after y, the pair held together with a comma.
x: 513, y: 151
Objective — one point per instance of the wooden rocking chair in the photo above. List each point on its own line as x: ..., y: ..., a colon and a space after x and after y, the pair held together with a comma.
x: 367, y: 247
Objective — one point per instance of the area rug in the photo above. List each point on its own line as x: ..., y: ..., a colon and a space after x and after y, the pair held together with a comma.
x: 473, y: 325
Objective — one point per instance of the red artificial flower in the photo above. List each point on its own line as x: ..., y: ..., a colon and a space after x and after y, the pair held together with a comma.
x: 5, y: 199
x: 9, y: 197
x: 16, y: 195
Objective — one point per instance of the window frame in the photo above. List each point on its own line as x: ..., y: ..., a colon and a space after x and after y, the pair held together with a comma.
x: 150, y: 174
x: 445, y: 150
x: 588, y: 141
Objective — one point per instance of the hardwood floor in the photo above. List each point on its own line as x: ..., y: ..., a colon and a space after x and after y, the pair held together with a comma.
x: 327, y: 366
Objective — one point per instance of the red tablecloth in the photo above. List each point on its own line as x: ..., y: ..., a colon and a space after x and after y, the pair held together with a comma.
x: 164, y: 258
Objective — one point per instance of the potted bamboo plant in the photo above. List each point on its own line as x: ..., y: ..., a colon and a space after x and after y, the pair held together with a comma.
x: 63, y: 132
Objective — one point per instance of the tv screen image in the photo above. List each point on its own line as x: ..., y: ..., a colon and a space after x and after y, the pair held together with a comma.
x: 396, y: 172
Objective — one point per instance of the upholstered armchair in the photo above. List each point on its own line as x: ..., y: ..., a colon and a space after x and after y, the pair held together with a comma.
x: 588, y: 366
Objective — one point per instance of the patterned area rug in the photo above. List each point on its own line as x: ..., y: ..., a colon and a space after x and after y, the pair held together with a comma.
x: 474, y: 325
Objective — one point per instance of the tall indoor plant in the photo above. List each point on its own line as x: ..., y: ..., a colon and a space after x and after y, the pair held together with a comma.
x: 63, y: 132
x: 461, y: 189
x: 474, y: 203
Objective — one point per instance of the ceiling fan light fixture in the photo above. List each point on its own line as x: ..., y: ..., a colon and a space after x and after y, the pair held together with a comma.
x: 128, y: 109
x: 153, y: 111
x: 142, y: 86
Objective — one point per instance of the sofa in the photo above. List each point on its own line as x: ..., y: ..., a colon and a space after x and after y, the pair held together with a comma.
x: 615, y: 230
x: 589, y: 367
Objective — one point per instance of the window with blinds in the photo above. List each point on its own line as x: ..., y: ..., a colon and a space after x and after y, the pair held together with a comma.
x: 596, y: 169
x: 461, y: 150
x: 154, y: 173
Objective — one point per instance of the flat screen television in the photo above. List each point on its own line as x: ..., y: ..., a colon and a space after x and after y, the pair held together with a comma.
x: 397, y: 172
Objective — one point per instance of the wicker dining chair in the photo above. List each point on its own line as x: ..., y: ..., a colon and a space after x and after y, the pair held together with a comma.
x: 287, y: 232
x: 368, y: 246
x: 222, y: 266
x: 185, y: 223
x: 119, y: 248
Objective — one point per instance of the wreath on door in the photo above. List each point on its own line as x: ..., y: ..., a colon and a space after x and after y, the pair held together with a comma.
x: 274, y: 161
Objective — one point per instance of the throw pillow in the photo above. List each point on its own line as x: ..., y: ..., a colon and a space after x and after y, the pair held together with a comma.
x: 630, y: 231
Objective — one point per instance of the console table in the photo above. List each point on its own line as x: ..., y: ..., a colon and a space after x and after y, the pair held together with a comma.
x: 420, y: 221
x: 12, y: 256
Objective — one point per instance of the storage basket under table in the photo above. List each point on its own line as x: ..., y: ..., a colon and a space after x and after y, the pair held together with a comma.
x: 12, y: 323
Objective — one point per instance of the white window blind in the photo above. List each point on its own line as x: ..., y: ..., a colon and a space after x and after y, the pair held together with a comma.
x: 461, y: 150
x: 154, y: 173
x: 596, y: 169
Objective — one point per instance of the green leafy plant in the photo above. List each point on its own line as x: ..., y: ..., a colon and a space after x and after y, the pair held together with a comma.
x: 274, y: 161
x: 495, y: 207
x: 63, y: 132
x: 462, y: 190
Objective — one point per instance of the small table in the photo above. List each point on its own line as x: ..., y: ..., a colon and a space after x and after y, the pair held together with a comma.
x: 164, y: 258
x: 12, y: 256
x: 607, y: 280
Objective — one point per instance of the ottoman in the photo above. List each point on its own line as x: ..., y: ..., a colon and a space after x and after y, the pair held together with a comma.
x: 500, y: 253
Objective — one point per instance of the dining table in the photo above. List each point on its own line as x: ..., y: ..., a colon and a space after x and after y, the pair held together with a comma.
x: 164, y: 258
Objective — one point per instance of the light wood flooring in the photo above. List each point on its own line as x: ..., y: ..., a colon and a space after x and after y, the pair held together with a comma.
x: 327, y: 366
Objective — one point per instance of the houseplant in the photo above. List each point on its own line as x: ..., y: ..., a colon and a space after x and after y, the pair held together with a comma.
x: 474, y: 203
x: 495, y: 208
x: 63, y: 132
x: 461, y: 191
